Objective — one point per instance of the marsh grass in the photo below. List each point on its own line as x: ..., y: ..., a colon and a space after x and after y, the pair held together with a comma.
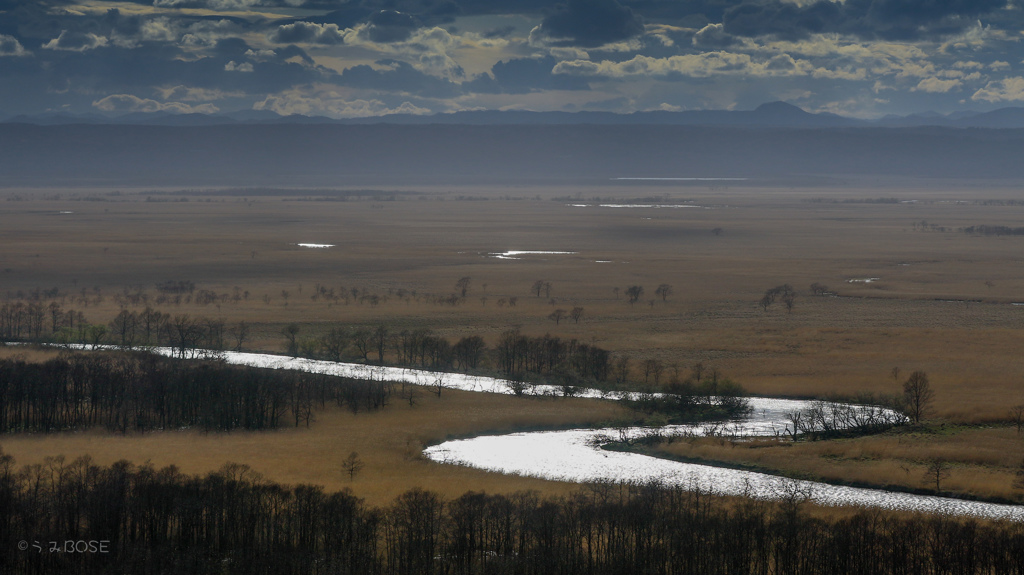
x: 389, y: 443
x: 983, y: 460
x: 970, y: 347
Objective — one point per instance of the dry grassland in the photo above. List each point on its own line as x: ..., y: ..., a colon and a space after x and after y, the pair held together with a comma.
x: 982, y: 461
x: 424, y: 242
x: 389, y: 443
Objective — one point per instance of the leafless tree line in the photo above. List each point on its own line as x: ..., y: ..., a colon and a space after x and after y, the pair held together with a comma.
x: 140, y: 392
x: 161, y: 521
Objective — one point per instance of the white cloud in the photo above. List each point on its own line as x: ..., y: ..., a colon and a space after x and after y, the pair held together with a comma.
x: 9, y: 46
x: 1005, y: 90
x: 75, y: 42
x: 189, y: 94
x: 695, y: 65
x: 936, y: 85
x: 233, y: 66
x: 222, y: 4
x: 309, y: 33
x: 326, y: 102
x: 126, y: 103
x: 206, y: 33
x: 968, y: 65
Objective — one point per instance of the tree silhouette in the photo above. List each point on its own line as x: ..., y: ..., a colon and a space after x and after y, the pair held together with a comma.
x: 557, y: 316
x: 664, y: 290
x: 917, y: 395
x: 576, y: 314
x: 634, y: 293
x: 352, y: 465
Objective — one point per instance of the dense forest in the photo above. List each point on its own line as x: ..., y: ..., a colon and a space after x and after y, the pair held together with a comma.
x: 152, y: 521
x: 140, y: 392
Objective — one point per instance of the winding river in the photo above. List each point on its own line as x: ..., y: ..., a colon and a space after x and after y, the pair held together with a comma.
x: 576, y: 455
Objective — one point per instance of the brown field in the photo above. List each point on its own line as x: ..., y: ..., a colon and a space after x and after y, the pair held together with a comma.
x: 406, y: 248
x: 982, y: 462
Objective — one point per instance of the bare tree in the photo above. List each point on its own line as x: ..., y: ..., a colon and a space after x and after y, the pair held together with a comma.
x: 634, y: 293
x: 697, y: 371
x: 819, y: 289
x: 96, y: 334
x: 576, y: 314
x: 895, y: 374
x: 789, y: 299
x: 290, y: 332
x: 1018, y: 482
x: 785, y: 291
x: 334, y: 342
x: 439, y: 384
x: 1017, y: 417
x: 538, y: 286
x: 917, y: 395
x: 937, y: 470
x: 380, y: 342
x: 185, y: 332
x: 352, y: 465
x: 462, y: 286
x: 362, y: 339
x: 123, y: 328
x: 557, y: 316
x: 653, y: 368
x: 796, y: 423
x: 240, y: 333
x: 616, y: 292
x: 622, y: 369
x: 664, y: 290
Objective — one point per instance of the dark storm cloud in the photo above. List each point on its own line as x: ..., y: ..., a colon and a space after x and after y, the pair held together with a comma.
x: 524, y: 75
x: 398, y: 76
x: 292, y: 51
x: 885, y: 19
x: 591, y: 23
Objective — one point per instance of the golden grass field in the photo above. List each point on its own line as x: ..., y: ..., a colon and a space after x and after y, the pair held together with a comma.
x: 942, y: 303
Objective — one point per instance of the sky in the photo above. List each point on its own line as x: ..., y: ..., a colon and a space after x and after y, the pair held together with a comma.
x: 358, y: 58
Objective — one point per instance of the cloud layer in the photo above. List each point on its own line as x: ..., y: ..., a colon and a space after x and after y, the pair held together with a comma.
x: 354, y: 58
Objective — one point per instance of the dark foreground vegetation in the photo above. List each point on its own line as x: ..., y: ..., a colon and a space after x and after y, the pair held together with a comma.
x: 153, y: 521
x: 140, y: 392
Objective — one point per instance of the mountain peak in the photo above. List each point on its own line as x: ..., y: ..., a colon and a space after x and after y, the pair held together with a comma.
x: 779, y: 108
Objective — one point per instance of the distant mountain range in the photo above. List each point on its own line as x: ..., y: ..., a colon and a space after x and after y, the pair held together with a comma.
x: 318, y: 155
x: 772, y: 114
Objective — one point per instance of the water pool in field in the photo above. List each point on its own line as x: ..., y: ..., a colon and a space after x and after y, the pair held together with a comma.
x: 517, y: 254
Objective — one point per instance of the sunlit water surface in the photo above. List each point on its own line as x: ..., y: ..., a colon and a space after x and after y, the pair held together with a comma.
x: 576, y: 455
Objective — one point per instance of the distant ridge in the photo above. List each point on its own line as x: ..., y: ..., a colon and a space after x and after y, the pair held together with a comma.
x: 292, y: 154
x: 770, y: 114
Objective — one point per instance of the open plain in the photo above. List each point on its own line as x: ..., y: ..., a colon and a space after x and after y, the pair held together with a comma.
x: 906, y: 287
